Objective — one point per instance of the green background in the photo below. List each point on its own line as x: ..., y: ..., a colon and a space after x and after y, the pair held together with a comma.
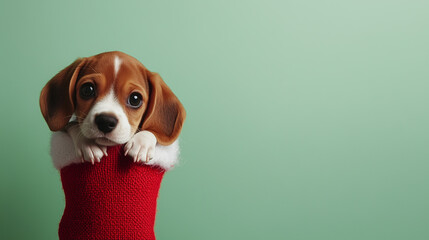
x: 306, y: 119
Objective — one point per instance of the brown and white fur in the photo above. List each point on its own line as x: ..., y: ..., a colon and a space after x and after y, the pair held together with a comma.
x: 110, y: 99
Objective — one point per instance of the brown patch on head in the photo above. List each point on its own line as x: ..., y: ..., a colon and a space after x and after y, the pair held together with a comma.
x: 130, y: 80
x: 98, y: 70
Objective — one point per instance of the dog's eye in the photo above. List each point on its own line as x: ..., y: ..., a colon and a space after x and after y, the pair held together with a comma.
x: 87, y: 91
x: 135, y: 100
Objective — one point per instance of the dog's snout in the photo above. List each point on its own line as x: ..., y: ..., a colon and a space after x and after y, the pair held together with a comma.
x: 106, y: 123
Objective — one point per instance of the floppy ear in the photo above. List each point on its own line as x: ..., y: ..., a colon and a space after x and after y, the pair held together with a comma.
x: 56, y: 98
x: 164, y: 114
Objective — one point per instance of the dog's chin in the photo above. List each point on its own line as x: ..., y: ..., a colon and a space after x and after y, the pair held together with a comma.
x: 105, y: 141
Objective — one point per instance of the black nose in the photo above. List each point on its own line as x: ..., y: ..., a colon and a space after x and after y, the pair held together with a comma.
x: 106, y: 123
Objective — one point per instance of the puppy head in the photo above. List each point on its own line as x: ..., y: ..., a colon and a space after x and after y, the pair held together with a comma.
x: 112, y: 96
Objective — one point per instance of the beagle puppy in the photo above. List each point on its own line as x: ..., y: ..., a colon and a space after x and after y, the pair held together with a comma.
x: 110, y: 99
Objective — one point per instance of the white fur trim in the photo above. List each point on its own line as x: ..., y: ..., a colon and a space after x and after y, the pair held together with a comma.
x: 63, y: 152
x: 166, y: 157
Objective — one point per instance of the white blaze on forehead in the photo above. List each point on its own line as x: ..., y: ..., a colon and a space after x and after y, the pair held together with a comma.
x: 117, y: 65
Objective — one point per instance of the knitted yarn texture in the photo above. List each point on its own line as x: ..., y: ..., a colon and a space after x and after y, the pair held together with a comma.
x: 113, y: 199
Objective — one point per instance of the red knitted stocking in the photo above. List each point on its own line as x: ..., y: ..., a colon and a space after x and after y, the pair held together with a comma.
x: 113, y: 199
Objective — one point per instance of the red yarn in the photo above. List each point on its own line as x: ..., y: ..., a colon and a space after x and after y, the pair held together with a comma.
x: 113, y: 199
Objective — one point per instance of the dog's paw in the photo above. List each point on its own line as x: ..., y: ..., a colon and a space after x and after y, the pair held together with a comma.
x: 90, y: 152
x: 86, y: 149
x: 141, y: 147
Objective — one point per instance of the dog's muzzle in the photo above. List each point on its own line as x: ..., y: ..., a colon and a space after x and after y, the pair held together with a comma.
x: 106, y: 123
